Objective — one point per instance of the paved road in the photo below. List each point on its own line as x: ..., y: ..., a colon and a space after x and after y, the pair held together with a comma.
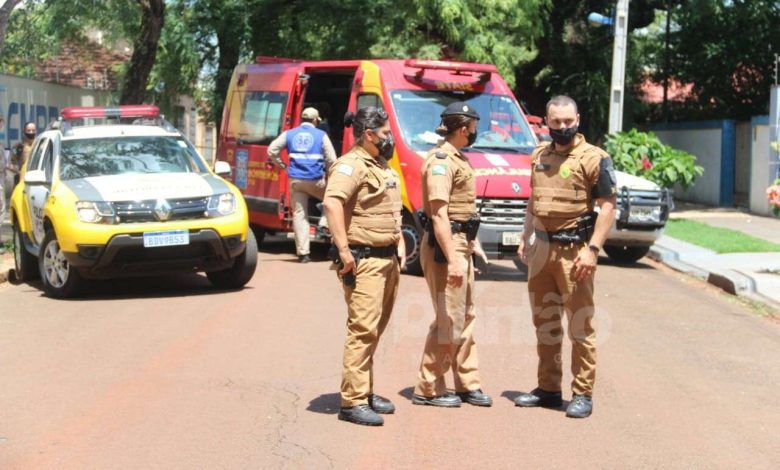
x: 168, y: 373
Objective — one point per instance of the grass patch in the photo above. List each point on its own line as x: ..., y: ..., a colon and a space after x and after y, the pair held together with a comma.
x: 719, y: 240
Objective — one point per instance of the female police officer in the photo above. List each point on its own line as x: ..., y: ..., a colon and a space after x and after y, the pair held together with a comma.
x: 363, y: 206
x: 449, y: 199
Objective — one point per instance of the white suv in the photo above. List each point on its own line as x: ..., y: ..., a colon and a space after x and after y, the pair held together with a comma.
x: 641, y: 214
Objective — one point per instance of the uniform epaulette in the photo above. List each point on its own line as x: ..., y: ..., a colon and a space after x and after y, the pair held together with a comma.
x: 441, y: 155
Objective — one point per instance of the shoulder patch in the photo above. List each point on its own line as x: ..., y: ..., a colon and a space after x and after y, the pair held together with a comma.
x: 441, y: 155
x: 439, y: 170
x: 345, y: 169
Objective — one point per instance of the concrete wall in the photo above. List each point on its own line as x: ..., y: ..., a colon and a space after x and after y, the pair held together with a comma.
x: 23, y: 99
x: 203, y: 135
x: 714, y: 145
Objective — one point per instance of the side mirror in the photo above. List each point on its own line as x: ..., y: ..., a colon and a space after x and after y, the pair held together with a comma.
x: 222, y: 169
x: 35, y: 178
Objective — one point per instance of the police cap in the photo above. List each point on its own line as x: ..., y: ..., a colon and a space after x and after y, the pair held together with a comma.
x: 460, y: 108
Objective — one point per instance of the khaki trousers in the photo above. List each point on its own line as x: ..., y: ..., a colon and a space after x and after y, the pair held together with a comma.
x: 300, y: 191
x: 369, y: 305
x: 553, y: 291
x: 450, y: 343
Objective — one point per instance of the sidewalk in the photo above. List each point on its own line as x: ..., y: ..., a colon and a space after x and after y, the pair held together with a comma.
x: 752, y: 275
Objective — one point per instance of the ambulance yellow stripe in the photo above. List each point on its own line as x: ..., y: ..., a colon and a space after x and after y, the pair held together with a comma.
x: 372, y: 83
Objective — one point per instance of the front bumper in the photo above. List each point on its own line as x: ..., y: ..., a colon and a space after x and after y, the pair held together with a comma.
x: 125, y: 255
x: 491, y: 237
x: 631, y: 232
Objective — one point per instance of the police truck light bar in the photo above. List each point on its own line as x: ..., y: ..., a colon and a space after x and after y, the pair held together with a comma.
x: 127, y: 111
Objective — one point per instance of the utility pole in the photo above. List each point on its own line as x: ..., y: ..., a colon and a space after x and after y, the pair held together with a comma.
x: 617, y: 91
x: 667, y: 61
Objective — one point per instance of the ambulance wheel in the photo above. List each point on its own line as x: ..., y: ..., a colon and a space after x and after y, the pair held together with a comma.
x: 413, y: 240
x: 626, y: 254
x: 242, y: 270
x: 25, y: 264
x: 60, y: 279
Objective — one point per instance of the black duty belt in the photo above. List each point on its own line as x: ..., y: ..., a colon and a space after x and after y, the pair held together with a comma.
x: 460, y: 227
x: 562, y: 236
x: 375, y: 251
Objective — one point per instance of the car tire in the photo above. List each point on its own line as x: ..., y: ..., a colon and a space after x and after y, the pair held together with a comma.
x: 242, y: 270
x: 25, y: 264
x: 413, y: 241
x: 60, y: 279
x: 626, y: 254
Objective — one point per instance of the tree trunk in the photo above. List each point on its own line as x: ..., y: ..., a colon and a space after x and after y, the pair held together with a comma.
x: 5, y: 15
x: 144, y: 51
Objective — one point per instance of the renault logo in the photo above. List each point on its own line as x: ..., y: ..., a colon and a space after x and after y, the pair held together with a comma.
x: 162, y: 210
x: 516, y: 187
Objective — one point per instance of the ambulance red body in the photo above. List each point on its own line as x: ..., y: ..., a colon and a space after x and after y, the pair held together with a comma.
x: 267, y: 98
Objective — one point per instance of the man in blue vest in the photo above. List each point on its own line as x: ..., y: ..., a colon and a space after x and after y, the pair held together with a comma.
x: 310, y: 153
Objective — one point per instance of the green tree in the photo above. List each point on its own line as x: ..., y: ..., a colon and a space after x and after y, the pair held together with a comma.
x: 43, y: 24
x: 5, y: 15
x: 725, y: 50
x: 575, y: 59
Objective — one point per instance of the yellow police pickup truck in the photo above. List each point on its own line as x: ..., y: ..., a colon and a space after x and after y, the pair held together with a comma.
x: 118, y: 192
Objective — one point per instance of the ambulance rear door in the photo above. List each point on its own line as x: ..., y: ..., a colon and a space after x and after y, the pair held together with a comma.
x: 262, y: 102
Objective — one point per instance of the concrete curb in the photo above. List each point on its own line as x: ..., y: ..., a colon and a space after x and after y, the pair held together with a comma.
x: 731, y: 281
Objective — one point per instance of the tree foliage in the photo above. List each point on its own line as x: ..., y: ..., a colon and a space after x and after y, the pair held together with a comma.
x: 725, y: 50
x: 541, y: 47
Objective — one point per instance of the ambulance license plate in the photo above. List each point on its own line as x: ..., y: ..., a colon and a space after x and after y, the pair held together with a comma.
x: 510, y: 238
x: 169, y: 238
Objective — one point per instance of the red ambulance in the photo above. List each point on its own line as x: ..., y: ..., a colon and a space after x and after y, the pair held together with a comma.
x: 267, y: 98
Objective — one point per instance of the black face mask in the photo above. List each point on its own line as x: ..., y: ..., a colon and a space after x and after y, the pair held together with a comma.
x: 563, y: 136
x: 472, y: 139
x: 30, y: 136
x: 386, y: 147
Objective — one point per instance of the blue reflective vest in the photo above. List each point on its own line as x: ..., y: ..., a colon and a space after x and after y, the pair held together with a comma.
x: 304, y: 146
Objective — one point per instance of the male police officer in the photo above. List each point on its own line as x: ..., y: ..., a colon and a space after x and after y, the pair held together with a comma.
x: 311, y: 153
x: 569, y: 177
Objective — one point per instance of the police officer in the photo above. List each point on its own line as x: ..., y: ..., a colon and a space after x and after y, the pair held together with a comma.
x: 23, y: 149
x: 363, y: 205
x: 310, y: 152
x: 569, y: 177
x: 449, y: 199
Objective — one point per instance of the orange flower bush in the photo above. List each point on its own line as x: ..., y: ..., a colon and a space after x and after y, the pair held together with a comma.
x: 773, y: 194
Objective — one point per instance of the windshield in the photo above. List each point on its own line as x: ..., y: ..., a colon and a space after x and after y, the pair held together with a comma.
x: 501, y: 126
x: 83, y: 158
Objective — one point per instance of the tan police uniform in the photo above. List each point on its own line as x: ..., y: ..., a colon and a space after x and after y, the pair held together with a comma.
x: 20, y: 157
x: 562, y: 191
x: 372, y: 210
x: 448, y: 176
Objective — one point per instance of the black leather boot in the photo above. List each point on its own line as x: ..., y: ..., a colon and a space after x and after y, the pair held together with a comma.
x: 445, y: 401
x: 361, y: 414
x: 539, y: 397
x: 581, y: 406
x: 476, y: 398
x: 381, y: 405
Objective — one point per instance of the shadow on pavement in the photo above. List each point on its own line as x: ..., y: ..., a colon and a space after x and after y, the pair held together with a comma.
x: 607, y: 261
x: 328, y: 404
x: 498, y: 272
x: 175, y: 285
x: 407, y: 392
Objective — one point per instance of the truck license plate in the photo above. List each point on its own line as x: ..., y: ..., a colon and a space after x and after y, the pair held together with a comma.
x: 510, y: 238
x: 170, y: 238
